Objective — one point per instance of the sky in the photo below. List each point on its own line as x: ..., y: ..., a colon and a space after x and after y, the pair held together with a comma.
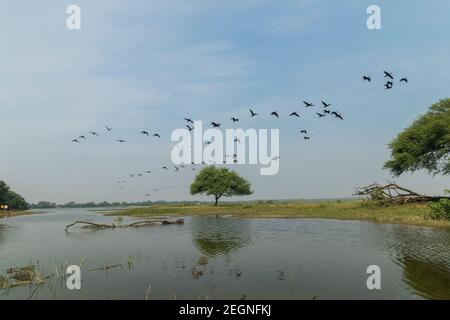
x: 145, y: 65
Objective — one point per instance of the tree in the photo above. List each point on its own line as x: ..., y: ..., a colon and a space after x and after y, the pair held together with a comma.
x: 423, y: 145
x: 12, y: 199
x: 220, y: 182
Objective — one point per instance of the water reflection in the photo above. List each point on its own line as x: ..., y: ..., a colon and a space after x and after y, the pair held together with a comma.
x: 424, y: 255
x: 430, y: 280
x: 220, y: 236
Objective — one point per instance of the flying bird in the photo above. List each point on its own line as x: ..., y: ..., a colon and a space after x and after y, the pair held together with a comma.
x: 94, y: 133
x: 108, y: 129
x: 274, y: 113
x: 157, y: 135
x: 320, y: 115
x: 366, y: 78
x: 252, y: 113
x: 304, y: 131
x: 188, y: 120
x: 387, y: 86
x: 165, y: 168
x: 121, y: 141
x: 306, y: 138
x: 145, y: 133
x: 325, y: 105
x: 308, y: 104
x: 148, y: 171
x: 82, y: 137
x: 75, y: 140
x: 294, y: 114
x: 337, y: 115
x: 215, y: 125
x: 189, y: 128
x: 404, y: 80
x: 235, y: 119
x: 237, y: 140
x: 388, y: 75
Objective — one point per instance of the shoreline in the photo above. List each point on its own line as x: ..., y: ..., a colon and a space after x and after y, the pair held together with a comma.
x: 12, y: 213
x: 407, y: 214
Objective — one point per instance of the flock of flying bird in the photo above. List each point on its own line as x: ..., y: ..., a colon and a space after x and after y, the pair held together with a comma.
x: 389, y: 84
x: 189, y: 125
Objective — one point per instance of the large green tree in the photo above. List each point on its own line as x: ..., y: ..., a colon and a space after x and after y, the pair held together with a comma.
x: 220, y: 182
x: 425, y: 144
x: 12, y: 199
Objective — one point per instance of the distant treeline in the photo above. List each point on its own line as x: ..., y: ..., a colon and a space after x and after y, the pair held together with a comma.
x: 104, y: 204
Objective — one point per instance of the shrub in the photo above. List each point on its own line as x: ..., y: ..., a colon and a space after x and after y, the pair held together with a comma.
x: 439, y: 210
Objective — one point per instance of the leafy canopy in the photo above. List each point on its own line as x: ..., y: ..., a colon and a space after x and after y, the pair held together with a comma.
x: 423, y: 145
x: 220, y: 182
x: 12, y: 199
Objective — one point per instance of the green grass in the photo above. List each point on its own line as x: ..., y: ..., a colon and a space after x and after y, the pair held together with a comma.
x: 343, y: 210
x: 11, y: 213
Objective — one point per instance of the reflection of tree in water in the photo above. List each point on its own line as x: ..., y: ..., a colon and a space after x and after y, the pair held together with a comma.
x: 2, y: 233
x: 217, y: 236
x: 424, y: 255
x: 428, y: 279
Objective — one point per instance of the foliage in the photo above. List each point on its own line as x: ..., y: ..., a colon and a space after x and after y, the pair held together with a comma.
x: 425, y: 144
x: 12, y: 199
x: 220, y: 182
x: 439, y: 210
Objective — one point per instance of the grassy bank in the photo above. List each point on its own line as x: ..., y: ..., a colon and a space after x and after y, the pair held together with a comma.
x: 8, y: 214
x: 342, y: 210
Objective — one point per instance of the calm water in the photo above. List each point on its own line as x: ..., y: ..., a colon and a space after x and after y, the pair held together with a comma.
x: 252, y: 258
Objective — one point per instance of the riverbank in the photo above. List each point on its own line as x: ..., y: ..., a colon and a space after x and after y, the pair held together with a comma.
x: 412, y: 214
x: 9, y: 214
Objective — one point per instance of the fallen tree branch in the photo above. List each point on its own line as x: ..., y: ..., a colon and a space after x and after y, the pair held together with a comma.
x: 392, y: 193
x: 131, y: 225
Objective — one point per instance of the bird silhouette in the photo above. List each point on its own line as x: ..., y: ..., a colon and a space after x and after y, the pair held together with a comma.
x: 388, y: 85
x: 237, y: 140
x: 189, y: 128
x: 294, y: 114
x: 148, y: 171
x: 121, y: 141
x: 366, y: 78
x: 145, y: 133
x: 337, y: 115
x: 157, y: 135
x: 320, y: 115
x: 165, y: 168
x: 215, y: 124
x: 306, y: 138
x: 131, y: 175
x: 94, y: 133
x: 139, y: 175
x: 308, y: 104
x: 304, y: 131
x: 82, y: 137
x: 388, y: 75
x: 235, y: 119
x: 189, y: 120
x: 252, y: 114
x: 108, y: 128
x: 326, y: 111
x: 404, y: 80
x: 75, y: 140
x: 274, y: 113
x: 325, y: 105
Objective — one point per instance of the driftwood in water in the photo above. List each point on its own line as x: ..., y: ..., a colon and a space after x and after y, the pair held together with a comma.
x: 392, y: 194
x: 134, y: 225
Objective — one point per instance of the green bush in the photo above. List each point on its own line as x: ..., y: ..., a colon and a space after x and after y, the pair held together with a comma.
x: 439, y: 210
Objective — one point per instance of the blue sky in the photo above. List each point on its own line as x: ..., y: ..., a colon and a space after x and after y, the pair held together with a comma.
x: 139, y: 65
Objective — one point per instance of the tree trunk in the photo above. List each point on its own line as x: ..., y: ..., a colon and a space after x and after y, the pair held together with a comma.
x: 217, y: 197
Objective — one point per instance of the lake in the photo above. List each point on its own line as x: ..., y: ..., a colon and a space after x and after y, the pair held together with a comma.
x: 227, y: 258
